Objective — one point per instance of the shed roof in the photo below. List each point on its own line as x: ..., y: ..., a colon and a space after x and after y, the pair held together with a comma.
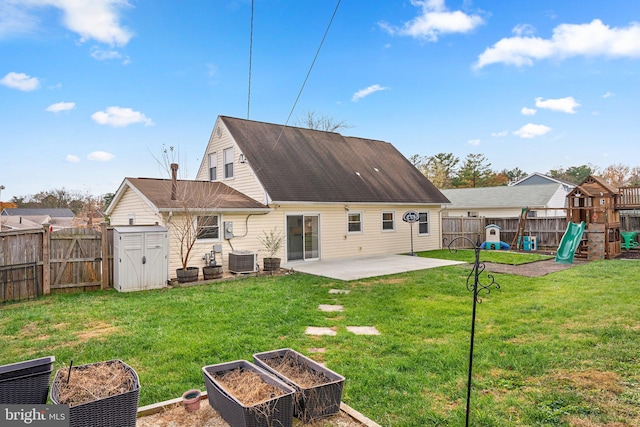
x: 518, y: 196
x: 298, y: 164
x: 28, y: 212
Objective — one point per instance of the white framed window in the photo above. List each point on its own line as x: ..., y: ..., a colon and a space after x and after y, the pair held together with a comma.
x: 388, y: 221
x: 208, y: 227
x: 227, y: 155
x: 473, y: 214
x: 423, y: 222
x: 354, y: 222
x: 213, y: 166
x: 132, y: 219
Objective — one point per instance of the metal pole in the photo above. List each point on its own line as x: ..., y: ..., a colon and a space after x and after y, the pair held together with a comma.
x: 412, y: 254
x: 473, y: 331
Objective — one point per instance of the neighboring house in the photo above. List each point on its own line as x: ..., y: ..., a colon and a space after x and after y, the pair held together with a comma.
x: 331, y: 196
x: 17, y: 223
x: 538, y: 178
x: 57, y: 218
x: 547, y: 200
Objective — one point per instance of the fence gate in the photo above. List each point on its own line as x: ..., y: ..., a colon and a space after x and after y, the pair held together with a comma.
x: 76, y: 258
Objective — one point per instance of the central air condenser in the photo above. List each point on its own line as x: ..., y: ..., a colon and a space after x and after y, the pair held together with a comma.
x: 243, y: 262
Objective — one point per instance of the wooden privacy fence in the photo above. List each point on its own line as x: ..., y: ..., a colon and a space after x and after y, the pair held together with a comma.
x: 38, y: 262
x: 548, y: 230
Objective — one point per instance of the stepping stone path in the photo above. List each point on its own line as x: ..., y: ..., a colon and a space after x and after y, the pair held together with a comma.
x: 358, y: 330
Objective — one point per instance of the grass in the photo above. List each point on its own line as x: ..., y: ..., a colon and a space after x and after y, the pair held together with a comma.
x: 555, y: 350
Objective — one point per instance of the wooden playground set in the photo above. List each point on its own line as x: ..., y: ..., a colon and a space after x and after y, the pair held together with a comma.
x: 593, y: 217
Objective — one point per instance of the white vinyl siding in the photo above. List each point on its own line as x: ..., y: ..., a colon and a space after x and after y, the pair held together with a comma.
x: 131, y: 205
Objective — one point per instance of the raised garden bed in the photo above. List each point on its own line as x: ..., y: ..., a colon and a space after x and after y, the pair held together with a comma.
x: 246, y: 396
x: 103, y: 394
x: 318, y: 389
x: 26, y: 382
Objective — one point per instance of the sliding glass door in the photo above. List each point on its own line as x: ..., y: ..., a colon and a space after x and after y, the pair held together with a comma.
x: 303, y: 237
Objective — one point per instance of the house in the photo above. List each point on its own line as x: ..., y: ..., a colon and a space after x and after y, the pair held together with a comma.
x: 17, y: 223
x: 543, y: 200
x: 329, y: 195
x: 538, y: 178
x: 57, y: 218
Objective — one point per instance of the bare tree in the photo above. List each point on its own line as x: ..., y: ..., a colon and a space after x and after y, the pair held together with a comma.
x: 322, y: 122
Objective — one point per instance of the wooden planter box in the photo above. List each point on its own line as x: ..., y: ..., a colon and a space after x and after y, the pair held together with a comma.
x: 212, y: 272
x: 311, y: 403
x: 277, y: 411
x: 119, y: 410
x: 26, y: 382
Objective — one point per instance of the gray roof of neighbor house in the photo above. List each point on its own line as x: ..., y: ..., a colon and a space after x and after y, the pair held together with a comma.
x: 213, y: 196
x: 306, y: 165
x: 519, y: 196
x: 538, y: 178
x: 52, y: 212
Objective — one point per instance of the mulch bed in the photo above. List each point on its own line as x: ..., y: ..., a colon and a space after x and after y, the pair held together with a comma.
x: 532, y: 269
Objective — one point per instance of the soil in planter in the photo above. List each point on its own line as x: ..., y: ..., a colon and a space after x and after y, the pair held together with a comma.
x: 93, y: 382
x: 298, y: 372
x: 247, y: 386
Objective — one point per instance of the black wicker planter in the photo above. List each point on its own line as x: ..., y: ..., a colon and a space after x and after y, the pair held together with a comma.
x: 119, y: 410
x: 26, y: 382
x: 277, y: 411
x: 311, y: 403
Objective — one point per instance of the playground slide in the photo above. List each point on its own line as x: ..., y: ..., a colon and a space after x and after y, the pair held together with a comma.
x: 569, y: 243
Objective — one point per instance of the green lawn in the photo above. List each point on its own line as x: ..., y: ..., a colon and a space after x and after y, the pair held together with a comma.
x: 556, y: 350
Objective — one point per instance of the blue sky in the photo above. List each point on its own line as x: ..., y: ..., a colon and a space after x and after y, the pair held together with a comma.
x: 91, y: 90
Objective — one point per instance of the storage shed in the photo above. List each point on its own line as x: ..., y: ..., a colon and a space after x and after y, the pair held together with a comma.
x: 141, y: 258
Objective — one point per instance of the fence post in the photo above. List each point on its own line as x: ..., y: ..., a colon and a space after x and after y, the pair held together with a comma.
x: 104, y: 280
x: 46, y: 260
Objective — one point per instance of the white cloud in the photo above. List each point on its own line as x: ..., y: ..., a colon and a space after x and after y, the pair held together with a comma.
x: 528, y: 111
x: 61, y: 106
x: 20, y: 81
x: 564, y: 105
x: 500, y: 134
x: 366, y: 92
x: 91, y: 19
x: 523, y: 30
x: 474, y: 142
x: 433, y: 21
x: 72, y: 159
x: 119, y: 117
x: 608, y: 94
x: 568, y: 40
x: 531, y: 130
x: 100, y: 156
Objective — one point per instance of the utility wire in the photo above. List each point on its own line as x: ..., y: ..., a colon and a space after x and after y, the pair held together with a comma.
x: 250, y: 59
x: 308, y: 72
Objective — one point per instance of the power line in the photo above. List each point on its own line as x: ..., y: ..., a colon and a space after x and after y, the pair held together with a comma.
x: 309, y: 72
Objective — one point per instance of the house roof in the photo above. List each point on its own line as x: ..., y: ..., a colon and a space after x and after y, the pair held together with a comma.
x: 538, y: 178
x: 298, y: 164
x: 39, y: 212
x: 18, y: 223
x: 501, y: 197
x: 204, y: 195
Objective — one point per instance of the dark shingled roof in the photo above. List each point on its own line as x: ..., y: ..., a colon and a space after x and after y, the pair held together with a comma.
x: 193, y: 195
x: 297, y: 164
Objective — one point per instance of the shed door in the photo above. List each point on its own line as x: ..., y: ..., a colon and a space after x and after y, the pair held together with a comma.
x: 131, y: 267
x: 155, y: 268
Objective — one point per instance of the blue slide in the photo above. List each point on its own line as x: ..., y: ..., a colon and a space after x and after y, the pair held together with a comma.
x: 569, y: 243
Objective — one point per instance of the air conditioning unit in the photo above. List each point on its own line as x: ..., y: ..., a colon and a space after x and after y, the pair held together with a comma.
x: 243, y: 262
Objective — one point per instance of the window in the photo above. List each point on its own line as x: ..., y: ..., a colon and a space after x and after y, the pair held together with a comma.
x: 354, y: 222
x: 208, y: 227
x: 132, y: 219
x: 532, y: 214
x: 388, y: 223
x: 423, y: 223
x: 228, y: 163
x: 213, y: 166
x: 473, y: 214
